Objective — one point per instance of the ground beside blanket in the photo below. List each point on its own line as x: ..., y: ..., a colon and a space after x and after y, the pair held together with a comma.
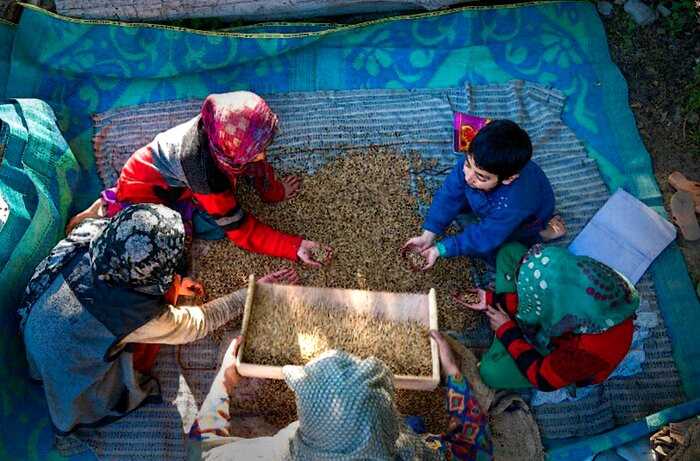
x: 661, y: 63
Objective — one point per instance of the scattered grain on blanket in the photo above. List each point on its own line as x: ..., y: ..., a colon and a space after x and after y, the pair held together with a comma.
x: 270, y: 399
x: 359, y: 204
x: 431, y: 406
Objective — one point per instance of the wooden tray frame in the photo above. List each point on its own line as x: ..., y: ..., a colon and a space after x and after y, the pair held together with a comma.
x: 429, y: 318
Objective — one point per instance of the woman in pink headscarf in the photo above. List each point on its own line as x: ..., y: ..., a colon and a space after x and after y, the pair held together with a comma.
x: 200, y: 162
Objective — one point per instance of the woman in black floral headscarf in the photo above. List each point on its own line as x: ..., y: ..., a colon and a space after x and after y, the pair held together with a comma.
x: 108, y: 285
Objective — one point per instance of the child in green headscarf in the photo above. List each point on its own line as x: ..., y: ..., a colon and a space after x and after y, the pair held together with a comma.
x: 567, y: 319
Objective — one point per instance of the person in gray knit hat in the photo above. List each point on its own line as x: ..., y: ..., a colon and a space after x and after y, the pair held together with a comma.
x: 346, y: 412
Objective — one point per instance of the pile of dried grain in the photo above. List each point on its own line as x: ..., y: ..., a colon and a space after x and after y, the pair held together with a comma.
x: 288, y: 332
x: 360, y: 204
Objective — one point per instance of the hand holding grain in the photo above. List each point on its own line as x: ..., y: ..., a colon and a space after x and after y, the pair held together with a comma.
x: 309, y: 251
x: 431, y: 255
x: 480, y: 305
x: 421, y: 242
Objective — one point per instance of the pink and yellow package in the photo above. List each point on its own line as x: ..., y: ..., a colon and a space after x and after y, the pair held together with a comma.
x: 465, y: 129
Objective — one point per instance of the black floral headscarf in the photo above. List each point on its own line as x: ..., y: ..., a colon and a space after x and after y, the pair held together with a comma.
x: 140, y: 249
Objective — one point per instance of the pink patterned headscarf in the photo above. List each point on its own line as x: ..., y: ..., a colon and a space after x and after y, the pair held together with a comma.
x: 239, y: 126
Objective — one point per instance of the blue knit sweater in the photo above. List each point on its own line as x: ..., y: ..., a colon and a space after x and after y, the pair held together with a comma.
x: 517, y: 211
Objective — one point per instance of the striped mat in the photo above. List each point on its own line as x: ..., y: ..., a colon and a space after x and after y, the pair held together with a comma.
x: 249, y: 10
x: 317, y: 127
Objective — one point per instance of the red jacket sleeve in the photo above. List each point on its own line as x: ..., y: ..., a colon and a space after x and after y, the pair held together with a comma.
x: 244, y: 230
x: 266, y: 183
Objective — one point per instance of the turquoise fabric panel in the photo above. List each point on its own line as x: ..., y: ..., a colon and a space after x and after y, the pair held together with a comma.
x: 37, y: 177
x: 7, y: 35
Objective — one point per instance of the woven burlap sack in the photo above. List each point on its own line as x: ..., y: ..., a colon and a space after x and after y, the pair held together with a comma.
x: 690, y: 450
x: 677, y: 441
x: 514, y: 431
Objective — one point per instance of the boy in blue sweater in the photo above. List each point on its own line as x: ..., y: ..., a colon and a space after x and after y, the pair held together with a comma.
x: 498, y: 182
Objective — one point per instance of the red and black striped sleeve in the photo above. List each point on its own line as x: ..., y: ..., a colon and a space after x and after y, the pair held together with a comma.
x: 529, y: 361
x: 576, y: 359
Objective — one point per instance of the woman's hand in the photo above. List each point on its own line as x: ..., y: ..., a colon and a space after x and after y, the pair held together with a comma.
x: 447, y: 358
x: 189, y: 287
x: 287, y: 276
x: 308, y: 248
x: 419, y: 243
x: 96, y: 210
x: 478, y: 306
x: 231, y: 376
x: 497, y: 316
x: 292, y: 186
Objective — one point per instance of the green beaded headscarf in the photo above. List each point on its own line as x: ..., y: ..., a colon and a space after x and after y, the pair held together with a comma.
x: 559, y: 292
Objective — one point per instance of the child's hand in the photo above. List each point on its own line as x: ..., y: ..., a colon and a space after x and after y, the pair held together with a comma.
x: 420, y: 243
x: 292, y: 185
x: 497, y: 316
x: 431, y: 255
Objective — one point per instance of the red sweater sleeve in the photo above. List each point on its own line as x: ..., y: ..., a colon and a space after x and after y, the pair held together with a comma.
x: 244, y: 230
x: 266, y: 183
x: 576, y: 359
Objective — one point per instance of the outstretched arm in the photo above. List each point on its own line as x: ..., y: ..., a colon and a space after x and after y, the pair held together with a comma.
x: 244, y: 229
x: 468, y: 436
x: 185, y: 324
x: 448, y: 201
